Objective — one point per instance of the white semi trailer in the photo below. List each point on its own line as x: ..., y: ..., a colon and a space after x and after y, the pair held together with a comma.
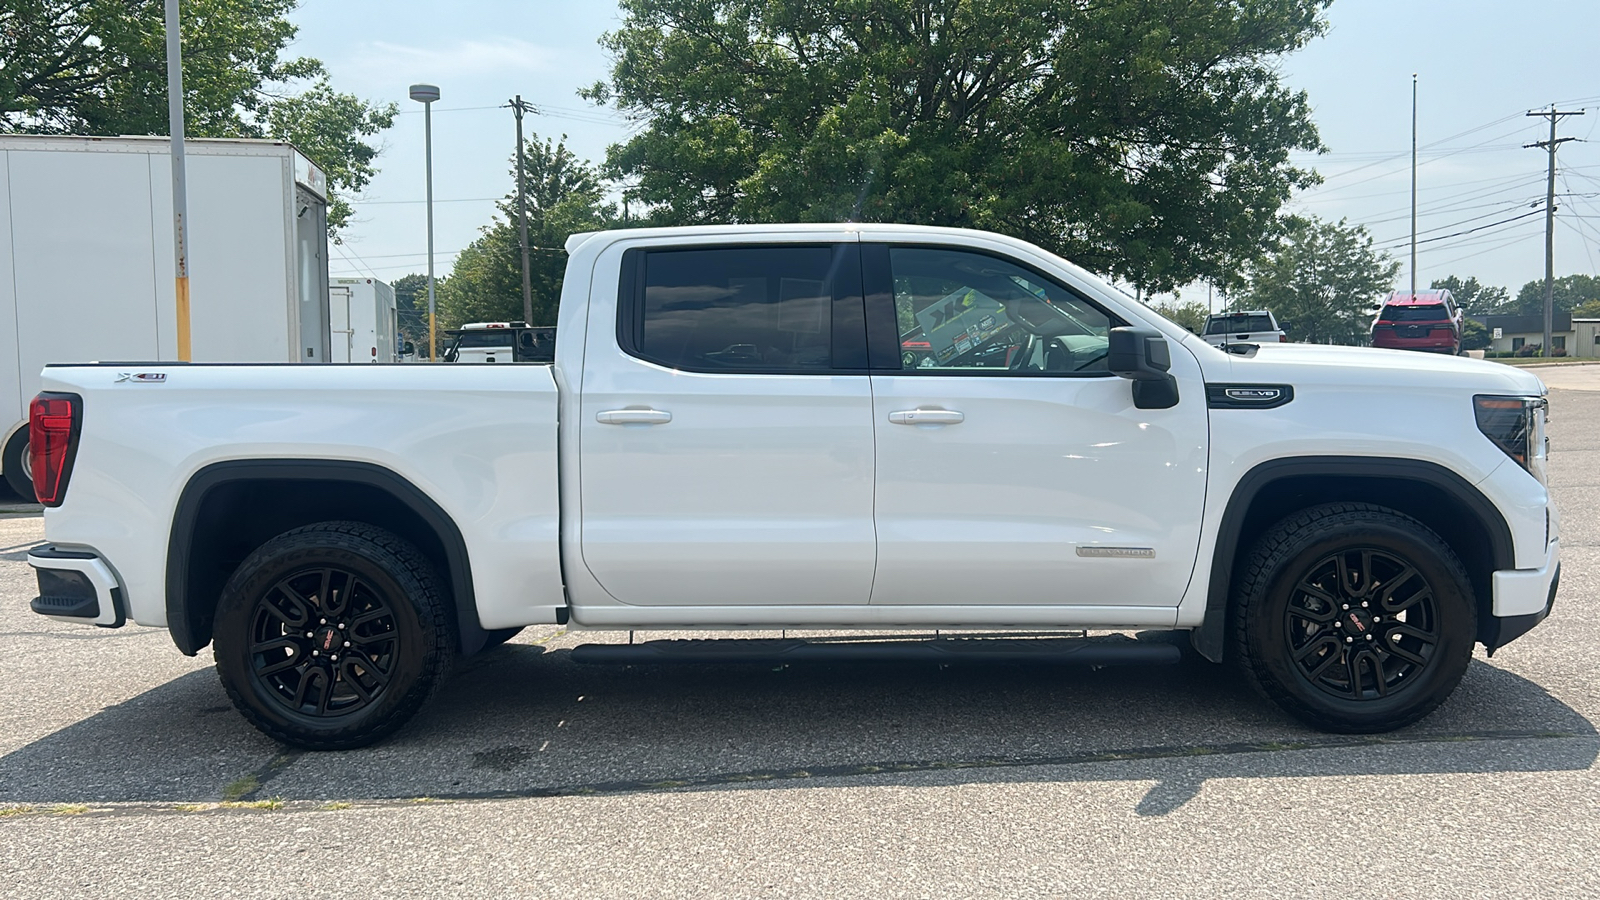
x: 361, y: 321
x: 86, y: 260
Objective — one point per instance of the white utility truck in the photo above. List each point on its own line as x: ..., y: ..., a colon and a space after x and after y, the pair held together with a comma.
x: 86, y: 260
x: 729, y: 438
x: 362, y: 321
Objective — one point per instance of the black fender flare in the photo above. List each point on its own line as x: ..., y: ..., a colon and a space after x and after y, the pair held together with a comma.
x: 1210, y: 638
x: 186, y: 628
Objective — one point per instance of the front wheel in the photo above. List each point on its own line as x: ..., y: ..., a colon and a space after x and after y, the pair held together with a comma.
x: 332, y: 636
x: 1354, y: 618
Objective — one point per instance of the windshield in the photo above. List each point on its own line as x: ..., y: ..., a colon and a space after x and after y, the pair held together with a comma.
x: 1429, y: 312
x: 1236, y: 322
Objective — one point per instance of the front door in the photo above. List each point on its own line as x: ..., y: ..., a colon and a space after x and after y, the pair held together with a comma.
x: 1012, y: 468
x: 726, y: 428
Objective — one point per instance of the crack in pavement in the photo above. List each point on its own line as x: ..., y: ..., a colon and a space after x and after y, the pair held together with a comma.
x: 278, y: 764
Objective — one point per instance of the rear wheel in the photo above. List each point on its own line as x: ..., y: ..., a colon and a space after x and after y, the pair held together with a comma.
x: 1354, y: 618
x: 332, y: 636
x: 15, y: 464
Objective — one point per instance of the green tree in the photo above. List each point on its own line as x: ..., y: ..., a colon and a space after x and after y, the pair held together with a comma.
x: 1474, y: 297
x: 99, y: 67
x: 564, y: 198
x: 1145, y: 139
x: 1567, y: 293
x: 1191, y: 316
x: 411, y: 306
x: 1474, y: 336
x: 1322, y: 278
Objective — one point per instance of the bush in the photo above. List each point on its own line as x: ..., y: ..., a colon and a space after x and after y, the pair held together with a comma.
x: 1527, y: 350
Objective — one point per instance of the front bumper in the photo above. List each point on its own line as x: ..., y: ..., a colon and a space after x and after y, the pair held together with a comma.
x: 77, y: 586
x: 1522, y: 599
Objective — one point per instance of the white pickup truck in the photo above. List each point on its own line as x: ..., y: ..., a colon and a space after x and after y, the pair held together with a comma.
x: 729, y: 439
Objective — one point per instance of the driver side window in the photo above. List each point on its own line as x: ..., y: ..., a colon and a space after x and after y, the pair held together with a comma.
x: 960, y: 312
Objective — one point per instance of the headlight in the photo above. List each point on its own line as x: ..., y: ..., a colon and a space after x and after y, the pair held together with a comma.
x: 1516, y: 426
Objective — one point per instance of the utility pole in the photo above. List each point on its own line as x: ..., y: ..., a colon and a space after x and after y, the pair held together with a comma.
x: 1554, y: 115
x: 1413, y: 185
x: 180, y: 193
x: 518, y: 107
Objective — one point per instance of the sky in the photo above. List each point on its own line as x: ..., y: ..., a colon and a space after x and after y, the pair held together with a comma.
x: 1481, y: 65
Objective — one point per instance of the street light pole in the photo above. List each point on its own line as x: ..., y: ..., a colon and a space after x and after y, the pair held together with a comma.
x: 180, y: 194
x: 426, y: 94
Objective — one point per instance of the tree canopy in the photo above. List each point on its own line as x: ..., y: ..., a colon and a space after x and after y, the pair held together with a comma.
x: 1474, y: 297
x: 1145, y: 139
x: 1323, y: 281
x: 1567, y: 294
x: 99, y: 67
x: 564, y: 198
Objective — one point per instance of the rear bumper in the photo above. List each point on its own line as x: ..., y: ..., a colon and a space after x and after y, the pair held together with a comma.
x: 77, y: 586
x: 1522, y: 599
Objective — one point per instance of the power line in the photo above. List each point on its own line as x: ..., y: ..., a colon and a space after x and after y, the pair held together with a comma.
x: 1550, y: 146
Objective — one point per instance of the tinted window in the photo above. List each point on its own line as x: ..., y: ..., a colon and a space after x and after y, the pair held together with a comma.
x: 743, y: 308
x: 1239, y: 322
x: 959, y: 311
x: 495, y: 338
x: 1428, y: 312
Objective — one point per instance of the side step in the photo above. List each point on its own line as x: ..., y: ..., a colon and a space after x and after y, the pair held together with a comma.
x: 776, y: 651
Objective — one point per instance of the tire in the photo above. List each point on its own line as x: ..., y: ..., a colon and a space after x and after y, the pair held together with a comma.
x: 14, y: 463
x: 392, y: 628
x: 1353, y: 618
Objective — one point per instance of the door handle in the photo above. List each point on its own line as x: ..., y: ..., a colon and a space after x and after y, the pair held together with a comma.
x: 633, y: 417
x: 926, y: 417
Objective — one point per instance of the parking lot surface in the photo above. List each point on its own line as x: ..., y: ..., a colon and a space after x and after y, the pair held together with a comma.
x: 124, y: 771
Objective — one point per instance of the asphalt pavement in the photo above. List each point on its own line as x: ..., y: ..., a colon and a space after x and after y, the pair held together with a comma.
x: 124, y: 771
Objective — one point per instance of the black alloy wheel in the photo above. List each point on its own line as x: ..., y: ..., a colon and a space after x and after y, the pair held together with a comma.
x: 1362, y: 624
x: 1353, y: 618
x: 323, y: 642
x: 333, y: 635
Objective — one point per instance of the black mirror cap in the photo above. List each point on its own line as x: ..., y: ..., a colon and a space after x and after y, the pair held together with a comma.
x: 1138, y: 353
x: 1143, y: 356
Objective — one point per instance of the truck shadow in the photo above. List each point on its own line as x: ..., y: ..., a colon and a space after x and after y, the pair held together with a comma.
x: 519, y: 722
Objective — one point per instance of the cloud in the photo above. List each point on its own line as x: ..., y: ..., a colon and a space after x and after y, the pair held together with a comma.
x: 380, y: 60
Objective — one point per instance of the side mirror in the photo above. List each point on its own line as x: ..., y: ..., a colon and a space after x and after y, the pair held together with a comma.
x: 409, y: 349
x: 1141, y: 355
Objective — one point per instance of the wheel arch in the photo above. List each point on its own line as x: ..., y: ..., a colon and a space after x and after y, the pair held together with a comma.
x: 1441, y: 499
x: 229, y: 508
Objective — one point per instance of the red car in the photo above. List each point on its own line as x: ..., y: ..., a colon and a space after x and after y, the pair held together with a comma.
x: 1426, y: 320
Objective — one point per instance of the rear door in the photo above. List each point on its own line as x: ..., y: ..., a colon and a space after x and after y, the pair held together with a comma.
x: 1014, y: 470
x: 726, y: 431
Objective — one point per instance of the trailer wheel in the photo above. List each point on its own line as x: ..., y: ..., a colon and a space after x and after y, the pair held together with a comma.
x: 1354, y: 618
x: 332, y: 636
x: 15, y: 464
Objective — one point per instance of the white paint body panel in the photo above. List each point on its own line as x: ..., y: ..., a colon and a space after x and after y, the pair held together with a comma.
x: 774, y: 501
x: 480, y: 442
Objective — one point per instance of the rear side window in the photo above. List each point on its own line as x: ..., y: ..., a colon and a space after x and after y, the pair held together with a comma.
x: 1427, y: 312
x: 738, y: 309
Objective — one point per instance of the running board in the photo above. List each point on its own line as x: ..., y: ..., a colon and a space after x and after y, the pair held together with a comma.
x: 775, y: 651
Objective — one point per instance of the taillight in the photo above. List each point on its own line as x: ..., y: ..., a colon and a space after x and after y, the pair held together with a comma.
x: 53, y: 423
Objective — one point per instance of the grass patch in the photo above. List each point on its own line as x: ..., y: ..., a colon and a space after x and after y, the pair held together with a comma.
x: 194, y: 807
x: 239, y: 788
x: 269, y: 803
x: 10, y: 811
x: 68, y: 809
x: 336, y: 804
